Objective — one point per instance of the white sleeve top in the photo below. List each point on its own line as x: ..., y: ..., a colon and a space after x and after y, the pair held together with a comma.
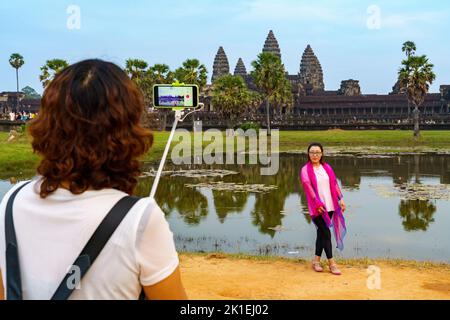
x: 51, y: 233
x: 323, y: 186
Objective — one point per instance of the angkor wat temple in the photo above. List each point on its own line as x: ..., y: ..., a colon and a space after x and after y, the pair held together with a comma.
x: 315, y: 106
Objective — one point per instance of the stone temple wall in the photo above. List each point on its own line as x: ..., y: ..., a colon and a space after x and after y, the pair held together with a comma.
x: 309, y: 92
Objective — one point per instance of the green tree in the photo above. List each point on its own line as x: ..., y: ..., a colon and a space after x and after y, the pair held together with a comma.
x: 415, y: 75
x: 161, y: 74
x: 230, y: 97
x: 145, y: 82
x: 135, y: 68
x: 50, y: 69
x: 192, y: 72
x: 30, y: 93
x: 270, y: 78
x: 140, y: 74
x: 409, y: 48
x: 146, y: 77
x: 16, y: 61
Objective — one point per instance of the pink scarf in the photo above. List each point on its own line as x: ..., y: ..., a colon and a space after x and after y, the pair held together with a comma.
x: 309, y: 182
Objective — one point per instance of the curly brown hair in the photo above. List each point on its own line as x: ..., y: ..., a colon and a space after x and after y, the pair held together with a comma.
x: 88, y: 131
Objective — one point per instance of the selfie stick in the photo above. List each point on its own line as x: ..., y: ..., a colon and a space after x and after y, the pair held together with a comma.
x: 178, y: 115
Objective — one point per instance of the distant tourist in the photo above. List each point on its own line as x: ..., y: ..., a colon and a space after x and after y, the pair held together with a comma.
x: 12, y: 116
x: 90, y: 140
x: 24, y: 116
x: 325, y: 204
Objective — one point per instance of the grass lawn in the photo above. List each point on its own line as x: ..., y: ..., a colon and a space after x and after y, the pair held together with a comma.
x: 17, y: 157
x: 355, y: 138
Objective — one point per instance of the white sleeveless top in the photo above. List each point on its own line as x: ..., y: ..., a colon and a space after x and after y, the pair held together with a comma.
x: 51, y: 233
x: 323, y: 186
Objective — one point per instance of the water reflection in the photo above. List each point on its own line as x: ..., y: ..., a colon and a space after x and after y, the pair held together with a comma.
x: 227, y: 202
x: 172, y: 195
x: 192, y: 204
x: 267, y: 212
x: 416, y: 214
x: 209, y: 212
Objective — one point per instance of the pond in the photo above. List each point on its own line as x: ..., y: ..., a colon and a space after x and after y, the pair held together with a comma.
x: 397, y: 207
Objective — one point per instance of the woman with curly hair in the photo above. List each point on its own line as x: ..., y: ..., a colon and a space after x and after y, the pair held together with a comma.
x: 89, y: 138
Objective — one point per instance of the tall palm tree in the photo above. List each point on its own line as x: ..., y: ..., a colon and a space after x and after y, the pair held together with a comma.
x: 139, y: 73
x: 16, y: 61
x: 270, y: 77
x: 192, y: 72
x: 50, y: 69
x: 135, y: 68
x: 161, y: 73
x: 230, y: 97
x: 416, y: 75
x: 409, y: 48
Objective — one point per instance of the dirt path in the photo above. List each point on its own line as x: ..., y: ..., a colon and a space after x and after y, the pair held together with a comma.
x: 222, y: 277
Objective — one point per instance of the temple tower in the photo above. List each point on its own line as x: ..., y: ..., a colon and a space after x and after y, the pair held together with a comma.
x: 310, y: 74
x: 240, y: 69
x: 220, y: 66
x: 271, y: 45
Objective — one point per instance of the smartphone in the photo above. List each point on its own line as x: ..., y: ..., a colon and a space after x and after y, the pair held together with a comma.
x: 169, y: 96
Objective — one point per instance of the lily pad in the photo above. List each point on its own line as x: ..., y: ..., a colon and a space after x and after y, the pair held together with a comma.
x: 415, y: 191
x: 200, y: 173
x: 235, y: 187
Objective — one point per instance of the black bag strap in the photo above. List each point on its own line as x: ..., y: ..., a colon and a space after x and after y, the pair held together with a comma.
x: 96, y: 243
x: 13, y: 280
x: 85, y: 259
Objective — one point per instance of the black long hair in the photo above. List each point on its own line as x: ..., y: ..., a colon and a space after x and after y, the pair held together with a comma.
x: 316, y: 144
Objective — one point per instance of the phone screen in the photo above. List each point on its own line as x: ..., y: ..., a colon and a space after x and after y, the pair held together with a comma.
x: 166, y: 96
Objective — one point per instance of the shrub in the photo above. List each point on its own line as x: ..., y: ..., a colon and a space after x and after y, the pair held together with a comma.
x: 250, y: 125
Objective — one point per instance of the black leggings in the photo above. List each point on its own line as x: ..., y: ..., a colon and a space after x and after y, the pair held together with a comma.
x: 323, y: 241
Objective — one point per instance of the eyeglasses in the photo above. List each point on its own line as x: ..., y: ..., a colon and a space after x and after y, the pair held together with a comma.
x: 315, y: 153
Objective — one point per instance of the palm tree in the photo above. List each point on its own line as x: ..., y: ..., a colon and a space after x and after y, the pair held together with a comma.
x: 16, y: 61
x: 192, y: 72
x: 50, y: 69
x: 139, y: 73
x: 269, y: 76
x: 409, y: 48
x: 230, y: 97
x: 416, y: 75
x: 161, y: 74
x: 282, y: 98
x: 135, y: 68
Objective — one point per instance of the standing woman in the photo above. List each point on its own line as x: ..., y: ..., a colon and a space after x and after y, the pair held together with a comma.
x: 325, y: 205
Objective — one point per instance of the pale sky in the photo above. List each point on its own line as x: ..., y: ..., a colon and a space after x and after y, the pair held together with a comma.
x: 353, y: 39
